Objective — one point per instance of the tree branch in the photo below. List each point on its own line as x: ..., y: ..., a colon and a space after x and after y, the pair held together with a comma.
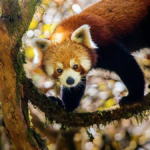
x: 54, y: 112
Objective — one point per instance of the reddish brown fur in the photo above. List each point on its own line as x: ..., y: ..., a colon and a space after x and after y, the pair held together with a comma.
x: 66, y: 51
x: 125, y: 15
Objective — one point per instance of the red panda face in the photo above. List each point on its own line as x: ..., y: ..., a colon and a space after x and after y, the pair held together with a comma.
x: 67, y: 62
x: 69, y: 56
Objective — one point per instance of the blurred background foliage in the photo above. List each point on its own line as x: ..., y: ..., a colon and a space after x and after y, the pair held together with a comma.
x: 104, y: 89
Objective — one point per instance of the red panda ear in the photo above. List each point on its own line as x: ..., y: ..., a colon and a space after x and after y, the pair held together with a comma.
x: 83, y: 35
x: 40, y: 45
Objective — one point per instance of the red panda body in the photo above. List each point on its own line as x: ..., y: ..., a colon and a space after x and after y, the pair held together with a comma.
x: 99, y: 37
x: 108, y: 20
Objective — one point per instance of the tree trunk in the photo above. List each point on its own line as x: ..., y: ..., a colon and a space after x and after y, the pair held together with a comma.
x: 14, y: 21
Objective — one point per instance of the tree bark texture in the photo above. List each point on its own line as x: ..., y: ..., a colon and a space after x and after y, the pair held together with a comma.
x: 14, y: 21
x: 70, y: 119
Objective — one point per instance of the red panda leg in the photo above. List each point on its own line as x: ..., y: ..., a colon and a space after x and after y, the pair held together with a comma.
x: 72, y: 96
x: 116, y: 58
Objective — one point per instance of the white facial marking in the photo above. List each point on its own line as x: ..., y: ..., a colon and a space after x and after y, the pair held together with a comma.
x: 49, y: 70
x: 57, y: 38
x: 72, y: 62
x: 37, y: 56
x: 40, y: 45
x: 83, y: 35
x: 60, y: 65
x: 70, y: 73
x: 85, y: 63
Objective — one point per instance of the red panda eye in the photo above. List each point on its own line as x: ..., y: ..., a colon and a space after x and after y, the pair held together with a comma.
x: 75, y: 67
x: 59, y: 70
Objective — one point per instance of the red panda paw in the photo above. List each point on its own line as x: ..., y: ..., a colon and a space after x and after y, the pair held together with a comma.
x: 129, y: 100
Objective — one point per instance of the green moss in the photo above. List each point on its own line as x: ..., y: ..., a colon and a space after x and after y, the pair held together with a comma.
x: 41, y: 142
x: 30, y: 137
x: 128, y: 115
x: 71, y: 115
x: 32, y: 133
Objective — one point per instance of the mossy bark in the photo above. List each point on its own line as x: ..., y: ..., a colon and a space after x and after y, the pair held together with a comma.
x: 14, y: 21
x: 69, y: 119
x: 10, y: 98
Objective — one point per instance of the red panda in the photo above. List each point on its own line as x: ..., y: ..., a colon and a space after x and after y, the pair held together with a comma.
x: 101, y: 36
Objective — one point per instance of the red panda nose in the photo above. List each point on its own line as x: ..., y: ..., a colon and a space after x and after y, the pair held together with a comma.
x: 70, y: 81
